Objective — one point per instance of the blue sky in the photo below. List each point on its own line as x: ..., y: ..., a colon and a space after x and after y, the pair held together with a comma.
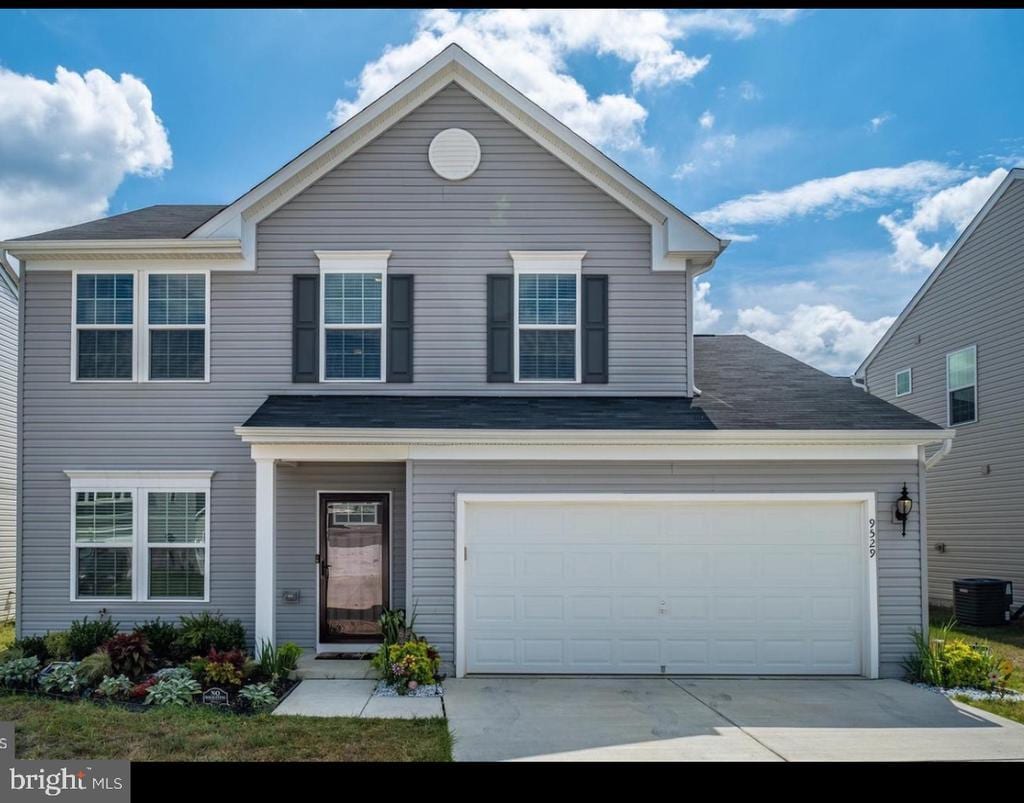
x: 842, y: 150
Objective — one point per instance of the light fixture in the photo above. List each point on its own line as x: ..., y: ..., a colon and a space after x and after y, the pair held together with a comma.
x: 902, y: 509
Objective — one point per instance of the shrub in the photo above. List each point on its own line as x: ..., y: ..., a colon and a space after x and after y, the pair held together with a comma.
x: 115, y: 687
x: 258, y: 696
x: 277, y: 662
x: 85, y: 636
x: 173, y: 691
x: 93, y: 668
x: 61, y: 678
x: 163, y: 640
x: 130, y: 654
x: 33, y: 645
x: 197, y: 666
x: 206, y: 631
x: 413, y: 661
x: 19, y: 672
x: 953, y: 662
x: 57, y: 645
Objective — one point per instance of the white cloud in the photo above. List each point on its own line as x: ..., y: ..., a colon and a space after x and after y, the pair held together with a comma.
x: 66, y: 146
x: 705, y: 315
x: 529, y: 49
x: 707, y: 120
x: 740, y: 152
x: 876, y: 123
x: 947, y: 211
x: 736, y: 237
x: 749, y: 91
x: 824, y: 335
x: 856, y: 190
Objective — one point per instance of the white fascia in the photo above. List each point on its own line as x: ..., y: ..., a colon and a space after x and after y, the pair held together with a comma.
x: 155, y: 254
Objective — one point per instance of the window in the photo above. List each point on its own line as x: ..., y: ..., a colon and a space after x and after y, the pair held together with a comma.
x: 140, y: 535
x: 176, y: 326
x: 962, y: 386
x: 352, y: 303
x: 547, y: 316
x: 903, y: 382
x: 168, y: 339
x: 353, y: 513
x: 104, y: 315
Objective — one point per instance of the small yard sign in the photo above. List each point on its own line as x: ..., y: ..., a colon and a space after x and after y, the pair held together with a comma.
x: 215, y: 696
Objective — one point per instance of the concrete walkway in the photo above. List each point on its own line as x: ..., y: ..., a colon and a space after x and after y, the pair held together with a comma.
x: 325, y: 697
x: 612, y: 719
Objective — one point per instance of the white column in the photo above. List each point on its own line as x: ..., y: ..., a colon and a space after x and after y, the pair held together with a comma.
x: 266, y: 591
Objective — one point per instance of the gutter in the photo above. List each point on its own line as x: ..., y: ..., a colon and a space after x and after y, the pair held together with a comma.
x: 935, y: 459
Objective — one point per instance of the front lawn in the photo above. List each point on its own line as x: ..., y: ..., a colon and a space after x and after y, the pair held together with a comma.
x: 1006, y: 641
x: 51, y: 729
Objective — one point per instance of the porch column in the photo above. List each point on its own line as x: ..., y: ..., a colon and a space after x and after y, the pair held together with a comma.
x: 266, y: 591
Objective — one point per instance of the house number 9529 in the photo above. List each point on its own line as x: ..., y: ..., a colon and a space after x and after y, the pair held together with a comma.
x: 872, y: 539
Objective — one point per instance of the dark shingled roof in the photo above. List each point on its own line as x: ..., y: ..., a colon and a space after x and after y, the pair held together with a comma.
x: 160, y: 222
x: 744, y: 383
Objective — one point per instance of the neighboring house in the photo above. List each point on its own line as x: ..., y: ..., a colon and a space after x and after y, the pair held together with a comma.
x: 953, y: 356
x: 8, y: 434
x: 444, y: 359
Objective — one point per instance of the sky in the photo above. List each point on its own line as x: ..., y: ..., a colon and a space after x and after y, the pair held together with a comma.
x: 841, y: 151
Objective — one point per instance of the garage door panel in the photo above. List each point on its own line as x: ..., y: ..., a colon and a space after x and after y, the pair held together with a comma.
x: 711, y: 588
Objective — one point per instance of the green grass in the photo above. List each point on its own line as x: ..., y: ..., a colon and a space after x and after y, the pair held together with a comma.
x: 50, y: 729
x: 1006, y: 641
x: 6, y: 635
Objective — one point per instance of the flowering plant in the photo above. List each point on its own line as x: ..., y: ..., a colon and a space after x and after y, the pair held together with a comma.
x: 408, y: 664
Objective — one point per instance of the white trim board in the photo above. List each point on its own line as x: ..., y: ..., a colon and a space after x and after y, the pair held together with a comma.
x: 1016, y: 174
x: 869, y: 523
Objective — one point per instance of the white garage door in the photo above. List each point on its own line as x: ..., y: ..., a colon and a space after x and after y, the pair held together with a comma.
x: 662, y: 586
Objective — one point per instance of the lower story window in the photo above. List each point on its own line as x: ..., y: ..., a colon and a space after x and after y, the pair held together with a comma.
x: 104, y: 535
x: 176, y: 541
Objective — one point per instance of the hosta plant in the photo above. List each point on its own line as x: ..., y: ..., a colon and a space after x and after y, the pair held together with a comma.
x: 174, y: 672
x: 173, y: 691
x: 259, y: 696
x: 61, y: 678
x: 115, y: 687
x: 19, y: 672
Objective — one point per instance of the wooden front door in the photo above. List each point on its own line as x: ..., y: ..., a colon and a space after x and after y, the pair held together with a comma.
x: 354, y: 559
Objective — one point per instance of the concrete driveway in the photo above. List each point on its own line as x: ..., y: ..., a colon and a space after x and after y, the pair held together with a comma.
x: 682, y: 719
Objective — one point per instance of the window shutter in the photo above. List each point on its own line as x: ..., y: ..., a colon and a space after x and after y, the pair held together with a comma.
x: 499, y: 328
x: 400, y: 328
x: 594, y: 336
x: 305, y: 328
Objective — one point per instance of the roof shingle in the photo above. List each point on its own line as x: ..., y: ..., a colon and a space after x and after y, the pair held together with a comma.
x: 160, y: 222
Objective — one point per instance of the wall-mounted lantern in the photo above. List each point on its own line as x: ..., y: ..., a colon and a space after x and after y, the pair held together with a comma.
x: 902, y: 509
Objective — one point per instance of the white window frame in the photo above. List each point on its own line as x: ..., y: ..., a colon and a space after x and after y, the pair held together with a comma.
x: 140, y: 484
x: 949, y: 410
x: 76, y: 327
x: 910, y: 381
x: 334, y: 262
x: 140, y: 326
x: 549, y: 263
x: 146, y: 327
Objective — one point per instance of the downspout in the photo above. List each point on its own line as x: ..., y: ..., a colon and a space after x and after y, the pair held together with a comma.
x: 936, y: 458
x: 924, y: 463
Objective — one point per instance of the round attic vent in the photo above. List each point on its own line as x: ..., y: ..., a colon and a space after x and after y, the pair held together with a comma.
x: 454, y: 154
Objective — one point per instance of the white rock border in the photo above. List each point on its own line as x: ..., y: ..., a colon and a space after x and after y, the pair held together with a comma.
x: 975, y: 694
x: 385, y: 689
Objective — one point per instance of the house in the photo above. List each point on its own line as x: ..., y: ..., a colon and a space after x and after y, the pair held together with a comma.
x: 444, y: 359
x: 8, y: 433
x: 953, y: 357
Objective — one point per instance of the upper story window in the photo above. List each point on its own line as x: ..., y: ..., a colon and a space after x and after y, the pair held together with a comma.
x: 353, y: 292
x: 104, y: 322
x: 904, y: 384
x: 146, y: 325
x: 962, y: 386
x: 547, y: 316
x: 142, y: 536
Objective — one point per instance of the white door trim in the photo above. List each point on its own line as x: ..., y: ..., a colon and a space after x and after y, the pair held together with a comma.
x: 869, y: 524
x: 350, y: 646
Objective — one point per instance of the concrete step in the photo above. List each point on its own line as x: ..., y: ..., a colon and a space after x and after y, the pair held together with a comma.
x: 312, y: 668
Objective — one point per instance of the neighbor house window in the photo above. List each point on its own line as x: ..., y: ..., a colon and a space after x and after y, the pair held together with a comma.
x: 962, y: 385
x: 352, y: 294
x: 903, y: 382
x: 140, y: 535
x: 547, y: 316
x: 176, y: 326
x: 104, y: 322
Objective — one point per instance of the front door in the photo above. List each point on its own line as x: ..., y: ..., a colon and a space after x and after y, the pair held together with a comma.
x: 353, y: 558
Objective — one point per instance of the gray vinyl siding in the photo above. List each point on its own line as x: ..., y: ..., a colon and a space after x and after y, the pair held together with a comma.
x: 8, y: 445
x: 975, y: 499
x: 435, y: 484
x: 451, y: 235
x: 297, y: 536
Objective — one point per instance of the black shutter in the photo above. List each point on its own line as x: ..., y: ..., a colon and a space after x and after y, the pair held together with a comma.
x: 400, y: 328
x: 305, y: 328
x: 595, y: 329
x: 499, y: 328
